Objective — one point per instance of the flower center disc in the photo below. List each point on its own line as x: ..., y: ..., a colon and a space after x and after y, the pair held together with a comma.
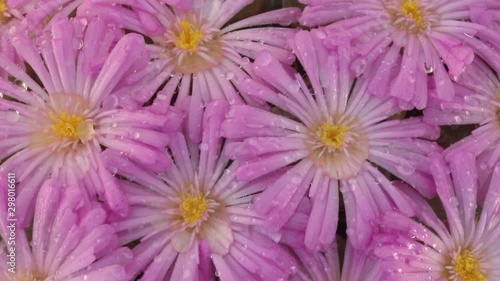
x: 34, y: 276
x: 467, y: 267
x: 410, y: 16
x: 3, y: 9
x: 190, y: 37
x: 193, y: 208
x: 332, y: 135
x: 73, y: 127
x: 339, y: 147
x: 194, y: 45
x: 412, y: 9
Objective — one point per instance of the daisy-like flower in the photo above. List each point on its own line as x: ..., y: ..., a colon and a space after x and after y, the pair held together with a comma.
x: 327, y: 140
x: 28, y: 15
x: 464, y: 249
x: 69, y: 239
x: 205, y: 54
x: 35, y: 11
x: 477, y: 101
x: 401, y: 44
x: 58, y: 124
x: 195, y: 220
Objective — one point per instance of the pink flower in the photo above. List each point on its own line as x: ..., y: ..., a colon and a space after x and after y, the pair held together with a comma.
x: 196, y: 51
x: 402, y: 45
x: 70, y: 240
x: 57, y: 125
x: 464, y: 249
x: 325, y: 141
x: 197, y: 216
x: 477, y: 101
x: 35, y: 12
x: 30, y: 16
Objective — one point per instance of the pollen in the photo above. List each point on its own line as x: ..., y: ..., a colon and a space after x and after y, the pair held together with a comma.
x: 412, y: 9
x: 34, y: 276
x: 189, y: 37
x: 332, y: 135
x: 193, y: 208
x: 3, y: 6
x: 73, y: 127
x: 467, y: 267
x: 3, y: 9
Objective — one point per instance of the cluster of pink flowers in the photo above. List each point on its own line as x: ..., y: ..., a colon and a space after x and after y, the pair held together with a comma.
x: 164, y: 140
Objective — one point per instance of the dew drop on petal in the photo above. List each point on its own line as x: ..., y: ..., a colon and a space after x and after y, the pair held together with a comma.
x: 320, y: 34
x: 454, y: 201
x: 429, y: 69
x: 229, y: 75
x: 406, y: 169
x: 12, y: 116
x: 203, y: 146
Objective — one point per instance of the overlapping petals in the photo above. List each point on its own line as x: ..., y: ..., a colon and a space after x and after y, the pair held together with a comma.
x: 401, y: 46
x: 195, y: 43
x: 57, y: 124
x: 197, y: 215
x: 466, y: 248
x: 69, y: 241
x: 325, y: 142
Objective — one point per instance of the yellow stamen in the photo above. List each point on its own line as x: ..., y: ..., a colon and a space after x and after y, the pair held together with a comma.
x: 332, y: 135
x: 73, y: 127
x: 3, y: 6
x: 3, y: 9
x: 467, y: 267
x: 412, y: 8
x: 193, y: 208
x: 34, y: 276
x: 189, y: 38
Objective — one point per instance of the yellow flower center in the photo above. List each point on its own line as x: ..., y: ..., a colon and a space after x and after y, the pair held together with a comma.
x: 467, y: 267
x: 412, y: 8
x: 193, y: 208
x: 3, y: 6
x: 73, y: 127
x: 332, y: 135
x: 33, y: 276
x: 3, y: 9
x: 189, y: 37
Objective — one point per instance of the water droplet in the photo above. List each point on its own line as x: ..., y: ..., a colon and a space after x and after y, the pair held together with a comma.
x: 136, y: 135
x: 453, y: 201
x: 360, y: 66
x: 458, y: 119
x: 203, y: 147
x: 12, y: 115
x: 229, y: 75
x: 429, y: 69
x: 320, y: 34
x: 406, y: 169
